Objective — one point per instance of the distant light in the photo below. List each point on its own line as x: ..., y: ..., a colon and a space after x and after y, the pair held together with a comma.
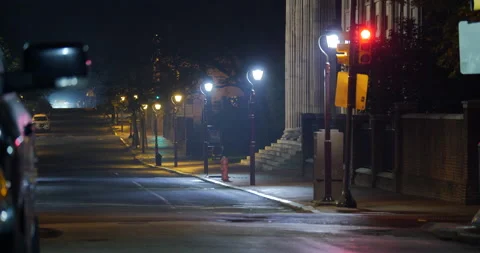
x: 65, y: 51
x: 3, y: 216
x: 257, y: 74
x: 122, y: 98
x: 135, y: 96
x: 208, y: 87
x: 66, y: 81
x: 332, y: 40
x: 178, y: 98
x: 145, y: 106
x: 88, y: 62
x: 9, y: 150
x: 157, y: 106
x: 157, y: 97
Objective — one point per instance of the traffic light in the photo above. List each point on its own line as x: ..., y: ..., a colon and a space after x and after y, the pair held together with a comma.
x: 365, y: 41
x: 343, y: 54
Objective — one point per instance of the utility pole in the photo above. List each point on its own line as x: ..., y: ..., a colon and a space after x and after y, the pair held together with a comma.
x: 347, y: 200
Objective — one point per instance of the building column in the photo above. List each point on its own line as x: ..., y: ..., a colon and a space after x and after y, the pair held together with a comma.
x: 305, y: 21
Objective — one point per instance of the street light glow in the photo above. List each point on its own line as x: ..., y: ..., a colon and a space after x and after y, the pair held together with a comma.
x: 65, y: 51
x: 208, y: 87
x: 333, y: 40
x: 257, y: 74
x: 135, y: 96
x: 145, y: 106
x: 122, y: 98
x: 157, y: 106
x: 178, y: 98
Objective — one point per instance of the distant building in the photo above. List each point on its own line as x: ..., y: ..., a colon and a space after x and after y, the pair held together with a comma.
x: 381, y: 13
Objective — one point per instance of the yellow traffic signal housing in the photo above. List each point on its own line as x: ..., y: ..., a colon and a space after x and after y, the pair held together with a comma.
x: 343, y: 54
x: 361, y: 89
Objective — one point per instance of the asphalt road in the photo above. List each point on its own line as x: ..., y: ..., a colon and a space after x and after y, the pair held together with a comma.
x: 94, y: 197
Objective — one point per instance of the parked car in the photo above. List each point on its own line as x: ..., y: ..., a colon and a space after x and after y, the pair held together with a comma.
x: 41, y: 122
x: 42, y: 70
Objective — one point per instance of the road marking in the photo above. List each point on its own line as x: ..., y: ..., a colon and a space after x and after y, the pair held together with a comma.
x: 154, y: 194
x: 94, y: 204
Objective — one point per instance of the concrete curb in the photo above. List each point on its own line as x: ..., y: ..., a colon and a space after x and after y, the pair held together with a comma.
x: 291, y: 204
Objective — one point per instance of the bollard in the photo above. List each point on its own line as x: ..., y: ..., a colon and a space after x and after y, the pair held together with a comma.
x: 224, y: 167
x: 158, y: 159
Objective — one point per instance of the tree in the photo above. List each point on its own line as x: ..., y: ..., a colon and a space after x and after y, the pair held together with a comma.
x: 440, y: 25
x: 13, y: 63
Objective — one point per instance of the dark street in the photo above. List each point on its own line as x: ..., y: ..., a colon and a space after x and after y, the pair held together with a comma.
x: 94, y: 197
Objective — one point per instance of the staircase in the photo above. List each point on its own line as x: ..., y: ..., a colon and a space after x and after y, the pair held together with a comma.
x: 281, y: 155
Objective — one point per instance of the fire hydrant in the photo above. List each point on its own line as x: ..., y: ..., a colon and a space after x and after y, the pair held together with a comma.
x: 224, y: 168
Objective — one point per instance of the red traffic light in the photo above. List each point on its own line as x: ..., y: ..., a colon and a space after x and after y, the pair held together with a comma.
x: 365, y: 34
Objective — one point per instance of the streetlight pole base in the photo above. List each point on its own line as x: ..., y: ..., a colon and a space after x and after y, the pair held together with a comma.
x: 158, y: 159
x: 328, y: 199
x: 347, y: 200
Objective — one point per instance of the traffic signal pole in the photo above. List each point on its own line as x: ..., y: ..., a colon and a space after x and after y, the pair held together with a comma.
x: 347, y: 200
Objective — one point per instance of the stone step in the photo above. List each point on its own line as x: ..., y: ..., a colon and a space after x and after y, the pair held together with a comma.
x: 289, y: 142
x: 267, y: 156
x: 282, y: 149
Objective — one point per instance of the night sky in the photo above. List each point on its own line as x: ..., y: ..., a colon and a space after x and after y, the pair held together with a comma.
x: 120, y: 32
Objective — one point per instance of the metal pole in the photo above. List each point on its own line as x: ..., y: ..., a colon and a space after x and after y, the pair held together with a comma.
x: 252, y: 136
x: 205, y: 137
x: 175, y: 146
x: 121, y: 121
x: 347, y: 199
x: 145, y: 129
x: 158, y: 162
x: 327, y: 118
x: 142, y: 130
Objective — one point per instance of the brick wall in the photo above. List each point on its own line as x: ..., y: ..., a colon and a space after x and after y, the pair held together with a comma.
x: 434, y: 156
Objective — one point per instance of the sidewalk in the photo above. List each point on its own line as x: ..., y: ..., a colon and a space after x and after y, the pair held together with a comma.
x: 290, y: 188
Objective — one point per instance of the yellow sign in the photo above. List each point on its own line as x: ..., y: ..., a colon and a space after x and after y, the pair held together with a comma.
x: 475, y: 5
x: 361, y: 91
x: 341, y: 94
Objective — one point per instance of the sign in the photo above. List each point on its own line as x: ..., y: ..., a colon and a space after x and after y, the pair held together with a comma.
x: 341, y: 94
x: 475, y: 5
x: 469, y: 45
x: 361, y: 92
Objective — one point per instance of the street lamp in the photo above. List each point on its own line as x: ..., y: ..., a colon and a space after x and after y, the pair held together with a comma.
x: 135, y: 96
x: 158, y: 157
x: 257, y: 75
x: 122, y: 101
x: 143, y: 120
x: 206, y: 90
x: 332, y: 42
x: 176, y: 100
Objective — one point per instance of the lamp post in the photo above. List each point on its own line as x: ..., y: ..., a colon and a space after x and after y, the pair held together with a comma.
x: 257, y: 75
x: 206, y: 90
x: 158, y: 157
x: 176, y: 100
x: 122, y: 108
x: 332, y: 42
x: 142, y: 126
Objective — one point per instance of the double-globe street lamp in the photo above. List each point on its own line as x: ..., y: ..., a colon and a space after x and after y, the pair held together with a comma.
x: 206, y: 90
x: 156, y: 109
x: 176, y: 100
